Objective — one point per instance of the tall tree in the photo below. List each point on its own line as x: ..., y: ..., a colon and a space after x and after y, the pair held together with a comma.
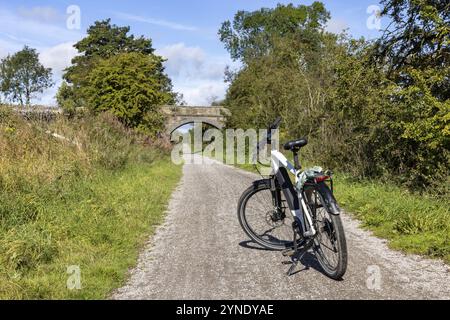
x: 131, y: 86
x: 22, y: 76
x: 281, y: 50
x: 252, y: 34
x: 119, y: 73
x: 415, y: 48
x: 103, y: 41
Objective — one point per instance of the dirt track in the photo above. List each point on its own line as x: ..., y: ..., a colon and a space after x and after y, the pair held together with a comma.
x: 202, y: 253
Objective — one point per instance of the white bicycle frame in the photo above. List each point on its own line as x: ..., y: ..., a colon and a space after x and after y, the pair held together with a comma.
x: 278, y: 160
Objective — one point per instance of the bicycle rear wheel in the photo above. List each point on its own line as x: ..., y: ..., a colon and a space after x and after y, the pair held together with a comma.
x: 330, y: 244
x: 265, y: 223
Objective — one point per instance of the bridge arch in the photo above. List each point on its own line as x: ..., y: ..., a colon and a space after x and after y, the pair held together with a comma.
x: 178, y: 116
x: 170, y: 130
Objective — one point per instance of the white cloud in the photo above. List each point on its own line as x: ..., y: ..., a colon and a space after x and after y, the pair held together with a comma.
x: 194, y: 73
x: 8, y: 47
x: 32, y: 27
x: 58, y: 57
x: 182, y: 59
x: 43, y: 28
x: 45, y: 14
x: 156, y: 22
x: 48, y: 97
x: 201, y: 93
x: 3, y: 53
x: 18, y: 28
x: 336, y: 25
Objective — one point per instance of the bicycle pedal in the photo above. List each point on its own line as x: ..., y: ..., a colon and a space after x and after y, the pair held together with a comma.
x: 288, y: 253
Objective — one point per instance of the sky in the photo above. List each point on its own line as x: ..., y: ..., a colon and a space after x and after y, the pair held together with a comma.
x: 184, y: 32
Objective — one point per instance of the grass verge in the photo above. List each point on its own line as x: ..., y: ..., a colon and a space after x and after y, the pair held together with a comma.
x: 412, y: 223
x: 87, y: 202
x: 98, y: 226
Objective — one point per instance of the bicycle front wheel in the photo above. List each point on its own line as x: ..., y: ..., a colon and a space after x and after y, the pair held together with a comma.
x: 267, y: 224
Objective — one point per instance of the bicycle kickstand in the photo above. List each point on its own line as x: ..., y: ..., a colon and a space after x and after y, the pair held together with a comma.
x: 297, y: 257
x: 293, y: 253
x: 296, y: 254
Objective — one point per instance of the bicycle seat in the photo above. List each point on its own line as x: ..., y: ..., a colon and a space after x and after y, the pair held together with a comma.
x: 295, y: 145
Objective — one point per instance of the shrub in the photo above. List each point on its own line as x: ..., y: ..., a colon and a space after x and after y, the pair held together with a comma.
x: 131, y: 86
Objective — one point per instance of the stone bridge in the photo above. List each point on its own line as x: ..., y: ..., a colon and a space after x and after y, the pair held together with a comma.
x: 178, y: 116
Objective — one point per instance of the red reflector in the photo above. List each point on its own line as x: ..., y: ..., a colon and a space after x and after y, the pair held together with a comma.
x: 322, y: 179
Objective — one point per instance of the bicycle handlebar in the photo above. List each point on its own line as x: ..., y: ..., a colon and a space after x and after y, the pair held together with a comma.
x: 276, y: 124
x: 268, y: 140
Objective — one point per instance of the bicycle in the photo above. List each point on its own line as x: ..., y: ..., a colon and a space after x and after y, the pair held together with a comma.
x: 295, y: 219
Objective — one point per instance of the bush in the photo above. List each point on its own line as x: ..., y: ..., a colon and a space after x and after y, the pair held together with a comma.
x: 131, y: 86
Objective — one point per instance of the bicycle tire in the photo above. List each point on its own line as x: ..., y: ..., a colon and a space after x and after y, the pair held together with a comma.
x: 333, y: 211
x: 246, y: 196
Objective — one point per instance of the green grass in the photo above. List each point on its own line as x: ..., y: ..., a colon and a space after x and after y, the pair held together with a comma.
x: 89, y: 200
x: 97, y: 223
x: 412, y: 223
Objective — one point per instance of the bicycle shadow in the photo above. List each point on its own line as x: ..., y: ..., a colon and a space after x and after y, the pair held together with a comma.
x: 250, y: 244
x: 308, y: 261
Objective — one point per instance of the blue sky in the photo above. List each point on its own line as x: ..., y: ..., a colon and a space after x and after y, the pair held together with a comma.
x: 185, y: 32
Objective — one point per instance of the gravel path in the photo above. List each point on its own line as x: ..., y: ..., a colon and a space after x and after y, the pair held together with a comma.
x: 201, y: 253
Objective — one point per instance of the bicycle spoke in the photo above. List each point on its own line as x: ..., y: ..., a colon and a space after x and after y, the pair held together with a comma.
x: 326, y: 236
x: 263, y: 218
